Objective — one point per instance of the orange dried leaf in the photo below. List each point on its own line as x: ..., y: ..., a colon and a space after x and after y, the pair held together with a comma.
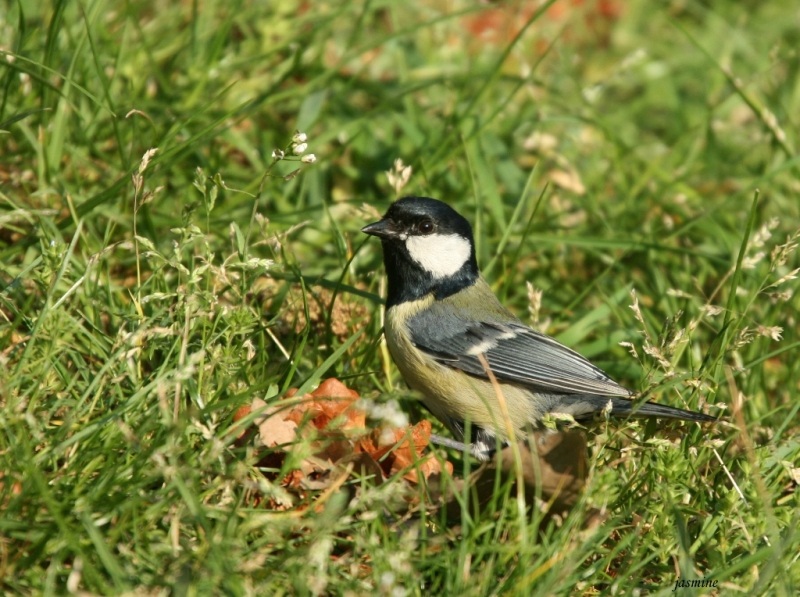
x: 274, y: 428
x: 332, y: 399
x: 382, y: 452
x: 333, y: 388
x: 421, y: 434
x: 403, y: 449
x: 241, y: 412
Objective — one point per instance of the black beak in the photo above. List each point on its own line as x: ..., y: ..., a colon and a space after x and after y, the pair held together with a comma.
x: 382, y: 229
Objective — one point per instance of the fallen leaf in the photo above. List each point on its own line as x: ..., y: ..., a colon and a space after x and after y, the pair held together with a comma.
x: 554, y: 467
x: 242, y: 412
x: 274, y: 428
x: 330, y: 400
x: 333, y: 425
x: 404, y: 449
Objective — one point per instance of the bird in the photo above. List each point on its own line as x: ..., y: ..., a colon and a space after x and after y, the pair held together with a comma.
x: 481, y: 371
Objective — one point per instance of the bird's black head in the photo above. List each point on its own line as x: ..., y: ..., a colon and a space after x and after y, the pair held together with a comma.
x: 427, y: 247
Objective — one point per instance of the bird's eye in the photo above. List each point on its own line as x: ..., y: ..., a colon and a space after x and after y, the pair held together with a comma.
x: 425, y: 227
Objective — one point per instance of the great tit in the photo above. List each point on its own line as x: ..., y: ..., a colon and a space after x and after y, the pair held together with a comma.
x: 465, y: 353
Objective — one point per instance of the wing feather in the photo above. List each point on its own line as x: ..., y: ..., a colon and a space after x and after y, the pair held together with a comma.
x: 515, y: 353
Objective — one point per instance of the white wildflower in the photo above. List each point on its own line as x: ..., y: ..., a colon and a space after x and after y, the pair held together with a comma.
x: 678, y: 293
x: 635, y: 307
x: 250, y: 348
x: 309, y: 158
x: 764, y: 233
x: 606, y: 412
x: 148, y: 155
x: 744, y: 337
x: 772, y: 331
x: 278, y: 154
x: 753, y: 260
x: 399, y: 175
x: 534, y: 301
x: 656, y: 353
x: 299, y: 138
x: 300, y: 148
x: 792, y: 275
x: 779, y: 297
x: 781, y: 253
x: 543, y: 143
x: 387, y: 437
x: 389, y: 412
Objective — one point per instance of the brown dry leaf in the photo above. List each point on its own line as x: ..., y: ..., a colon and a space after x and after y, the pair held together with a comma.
x: 330, y: 400
x: 498, y: 23
x: 562, y: 465
x: 554, y: 467
x: 328, y: 417
x: 331, y: 409
x: 242, y: 412
x: 331, y: 420
x: 405, y: 449
x: 314, y: 474
x: 245, y: 435
x: 274, y: 426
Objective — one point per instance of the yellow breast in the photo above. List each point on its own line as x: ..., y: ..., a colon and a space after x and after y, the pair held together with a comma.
x: 449, y: 393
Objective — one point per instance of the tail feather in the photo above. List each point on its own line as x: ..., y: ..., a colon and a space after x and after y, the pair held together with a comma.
x: 622, y: 407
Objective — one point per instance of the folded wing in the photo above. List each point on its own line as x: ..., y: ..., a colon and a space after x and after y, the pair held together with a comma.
x: 515, y: 353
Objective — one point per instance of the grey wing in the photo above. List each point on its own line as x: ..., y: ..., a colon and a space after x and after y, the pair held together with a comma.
x: 515, y: 353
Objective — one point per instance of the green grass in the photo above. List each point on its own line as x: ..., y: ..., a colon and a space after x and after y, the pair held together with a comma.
x: 655, y: 153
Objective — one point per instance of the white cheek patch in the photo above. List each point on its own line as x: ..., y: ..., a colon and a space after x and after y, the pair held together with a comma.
x: 440, y: 254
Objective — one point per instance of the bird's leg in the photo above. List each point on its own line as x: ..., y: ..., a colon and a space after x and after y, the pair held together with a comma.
x: 450, y: 443
x: 478, y: 449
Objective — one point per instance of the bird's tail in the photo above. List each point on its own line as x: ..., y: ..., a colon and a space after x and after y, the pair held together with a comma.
x: 623, y: 408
